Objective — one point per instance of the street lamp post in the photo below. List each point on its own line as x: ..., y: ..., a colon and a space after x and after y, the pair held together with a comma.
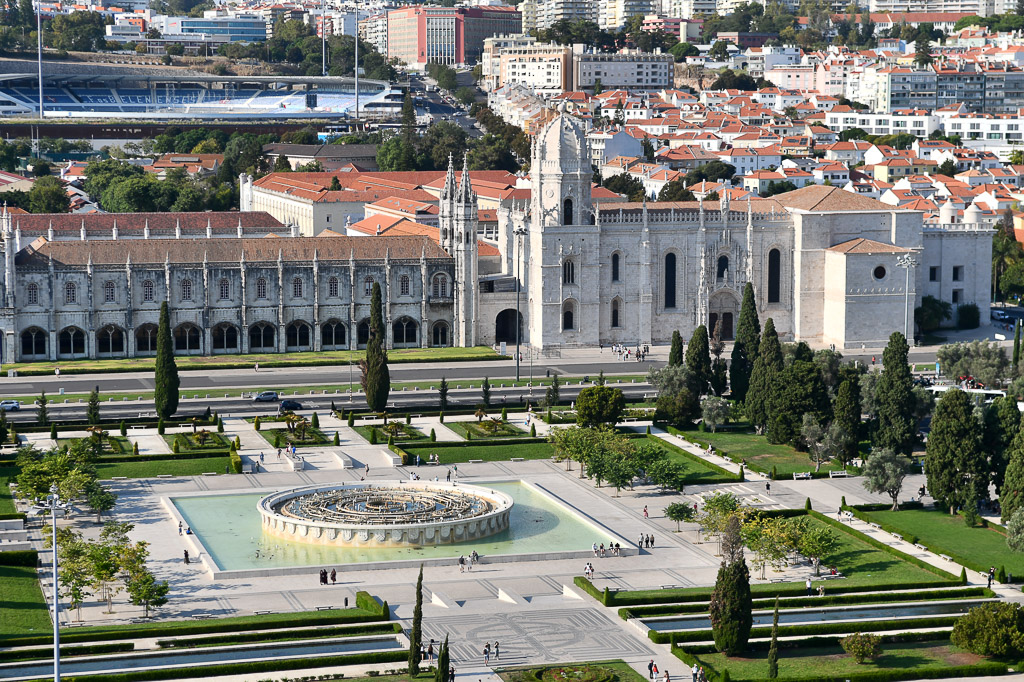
x: 519, y: 287
x: 907, y: 263
x: 51, y: 504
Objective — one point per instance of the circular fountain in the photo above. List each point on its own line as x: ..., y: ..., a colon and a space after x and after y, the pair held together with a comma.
x: 386, y: 513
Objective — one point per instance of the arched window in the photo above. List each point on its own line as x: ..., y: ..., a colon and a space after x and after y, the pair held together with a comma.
x: 567, y: 320
x: 333, y: 335
x: 440, y: 286
x: 403, y: 332
x: 187, y: 338
x: 147, y: 291
x: 440, y: 333
x: 70, y: 293
x: 774, y: 275
x: 71, y: 343
x: 368, y: 286
x: 32, y: 290
x: 723, y: 267
x: 332, y: 287
x: 568, y: 272
x: 261, y: 288
x: 225, y: 337
x: 261, y: 337
x: 297, y: 336
x: 615, y: 312
x: 33, y: 344
x: 225, y: 289
x: 110, y: 341
x: 403, y: 285
x: 363, y: 333
x: 186, y: 290
x: 615, y: 267
x: 297, y: 288
x: 109, y: 292
x: 145, y: 339
x: 670, y: 280
x: 567, y: 212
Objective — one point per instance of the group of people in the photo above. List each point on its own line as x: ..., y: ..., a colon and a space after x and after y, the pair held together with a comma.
x: 645, y: 541
x: 601, y: 551
x: 324, y: 577
x: 588, y: 571
x: 432, y: 459
x: 488, y: 650
x: 466, y: 563
x: 697, y: 672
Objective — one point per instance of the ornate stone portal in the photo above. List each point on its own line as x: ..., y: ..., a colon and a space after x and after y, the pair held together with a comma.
x: 386, y: 514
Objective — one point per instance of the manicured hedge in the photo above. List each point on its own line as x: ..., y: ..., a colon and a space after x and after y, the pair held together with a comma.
x: 860, y: 512
x: 28, y: 558
x: 13, y: 517
x: 306, y: 633
x: 367, y: 602
x: 247, y: 668
x: 811, y: 629
x: 725, y: 473
x: 159, y: 457
x: 236, y: 462
x: 43, y: 653
x: 147, y: 422
x: 471, y: 443
x: 814, y: 601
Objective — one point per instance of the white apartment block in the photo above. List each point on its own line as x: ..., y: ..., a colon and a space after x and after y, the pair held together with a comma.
x: 982, y: 8
x: 632, y: 71
x: 613, y: 14
x: 374, y: 30
x: 528, y: 8
x: 551, y: 11
x: 920, y: 123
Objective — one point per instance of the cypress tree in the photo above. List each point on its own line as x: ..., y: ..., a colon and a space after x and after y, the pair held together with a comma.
x: 551, y: 395
x: 166, y: 381
x: 485, y: 392
x: 955, y: 465
x: 314, y: 421
x: 416, y: 633
x: 744, y: 349
x: 42, y: 415
x: 53, y: 432
x: 1011, y: 495
x: 1002, y: 422
x: 773, y: 649
x: 731, y: 605
x: 123, y: 428
x: 1016, y: 346
x: 92, y: 411
x: 895, y: 399
x: 442, y: 394
x: 846, y: 411
x: 441, y: 673
x: 376, y: 378
x: 698, y: 361
x: 799, y: 391
x: 675, y: 353
x: 767, y: 367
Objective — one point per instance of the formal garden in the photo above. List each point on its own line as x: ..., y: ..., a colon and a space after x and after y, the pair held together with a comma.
x: 595, y: 671
x: 294, y: 429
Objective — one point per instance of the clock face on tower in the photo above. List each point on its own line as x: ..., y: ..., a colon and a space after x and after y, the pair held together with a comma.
x: 550, y: 193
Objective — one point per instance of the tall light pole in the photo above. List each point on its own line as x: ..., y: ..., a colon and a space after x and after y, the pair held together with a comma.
x: 51, y: 504
x: 356, y: 72
x: 323, y: 37
x: 39, y: 36
x: 908, y: 264
x: 519, y: 287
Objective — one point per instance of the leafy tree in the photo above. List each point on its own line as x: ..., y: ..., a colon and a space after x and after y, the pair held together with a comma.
x: 676, y: 190
x: 75, y: 573
x: 884, y: 472
x: 767, y: 367
x: 1002, y: 423
x: 894, y: 398
x: 798, y: 393
x: 955, y: 465
x: 597, y: 405
x: 92, y: 410
x: 719, y: 51
x: 769, y: 538
x: 675, y: 353
x: 443, y: 663
x: 698, y: 361
x: 145, y: 591
x: 923, y: 51
x: 744, y: 349
x: 1011, y: 494
x: 846, y: 412
x: 75, y: 32
x: 396, y: 154
x: 1015, y: 531
x: 824, y: 443
x: 166, y: 381
x: 376, y: 379
x: 862, y: 646
x: 48, y: 196
x: 994, y: 629
x: 1016, y: 346
x: 42, y: 416
x: 718, y: 509
x: 624, y: 183
x: 773, y: 648
x: 283, y: 165
x: 683, y: 50
x: 932, y: 312
x: 491, y: 152
x: 679, y: 512
x: 986, y: 361
x: 485, y: 391
x: 408, y: 117
x: 416, y: 633
x: 816, y: 542
x: 731, y: 605
x: 714, y: 411
x: 441, y: 141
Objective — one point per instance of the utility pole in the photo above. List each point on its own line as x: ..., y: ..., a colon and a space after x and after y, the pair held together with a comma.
x: 52, y: 504
x: 357, y: 64
x: 519, y: 287
x: 323, y: 36
x: 39, y: 35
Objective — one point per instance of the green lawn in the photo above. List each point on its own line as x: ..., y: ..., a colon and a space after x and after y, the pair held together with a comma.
x: 756, y: 452
x: 406, y: 435
x: 23, y: 612
x: 174, y: 467
x: 452, y: 454
x: 214, y: 441
x: 609, y: 671
x: 314, y: 438
x: 112, y: 445
x: 696, y: 472
x: 7, y: 475
x: 978, y: 548
x: 831, y: 662
x: 202, y: 363
x: 483, y: 429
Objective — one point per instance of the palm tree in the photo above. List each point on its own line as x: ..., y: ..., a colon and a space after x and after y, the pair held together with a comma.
x: 201, y: 437
x: 291, y: 420
x: 479, y: 414
x: 301, y: 428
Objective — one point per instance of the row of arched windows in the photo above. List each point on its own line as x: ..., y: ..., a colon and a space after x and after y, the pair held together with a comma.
x: 440, y: 288
x: 722, y: 270
x: 188, y: 338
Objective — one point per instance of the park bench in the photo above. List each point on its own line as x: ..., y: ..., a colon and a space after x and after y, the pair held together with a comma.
x: 202, y: 616
x: 875, y: 525
x: 476, y: 461
x: 921, y: 547
x: 838, y: 474
x: 146, y: 415
x: 846, y: 516
x: 324, y: 608
x: 262, y: 613
x: 518, y: 459
x: 943, y: 556
x: 801, y: 475
x: 136, y: 428
x: 670, y: 587
x: 165, y: 475
x: 778, y: 580
x: 629, y: 419
x: 118, y: 478
x: 896, y: 535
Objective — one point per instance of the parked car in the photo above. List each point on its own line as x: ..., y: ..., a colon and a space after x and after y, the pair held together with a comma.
x: 290, y: 405
x: 1000, y: 315
x: 266, y: 397
x: 10, y: 405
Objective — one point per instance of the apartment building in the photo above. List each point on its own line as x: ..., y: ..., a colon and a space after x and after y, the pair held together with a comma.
x: 917, y: 122
x: 627, y: 70
x: 374, y: 30
x: 528, y: 8
x: 419, y: 34
x: 981, y: 8
x: 551, y: 11
x: 990, y: 88
x: 613, y: 14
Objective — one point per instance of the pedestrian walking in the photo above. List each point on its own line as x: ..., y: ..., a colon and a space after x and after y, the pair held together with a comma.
x: 487, y: 653
x: 595, y: 549
x: 693, y: 672
x: 261, y: 458
x: 654, y: 669
x: 451, y: 674
x: 186, y: 559
x: 334, y: 577
x: 179, y: 527
x: 645, y: 512
x: 767, y: 487
x: 652, y: 542
x: 808, y: 585
x: 650, y: 670
x: 449, y: 477
x: 666, y: 678
x: 497, y: 653
x: 256, y: 367
x: 430, y: 651
x: 462, y: 564
x: 640, y: 541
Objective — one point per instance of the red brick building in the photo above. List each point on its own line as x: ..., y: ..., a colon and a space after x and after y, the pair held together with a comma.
x: 420, y: 34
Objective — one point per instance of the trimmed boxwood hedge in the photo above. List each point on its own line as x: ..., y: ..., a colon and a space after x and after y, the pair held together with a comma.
x: 43, y: 653
x: 810, y: 629
x: 805, y: 642
x: 814, y: 601
x: 28, y: 558
x: 246, y: 668
x: 304, y: 633
x: 147, y: 422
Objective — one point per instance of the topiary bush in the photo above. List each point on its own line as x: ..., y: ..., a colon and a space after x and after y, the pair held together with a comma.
x: 124, y: 428
x: 968, y: 316
x: 373, y: 436
x: 533, y: 430
x: 433, y: 436
x: 220, y: 425
x: 314, y: 421
x: 337, y: 439
x: 256, y: 423
x: 862, y: 646
x: 53, y: 431
x: 351, y: 419
x: 160, y: 426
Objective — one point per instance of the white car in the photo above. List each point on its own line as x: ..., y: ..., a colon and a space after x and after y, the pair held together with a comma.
x: 10, y: 405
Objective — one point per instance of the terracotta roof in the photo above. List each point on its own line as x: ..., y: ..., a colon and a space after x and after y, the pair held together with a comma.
x: 191, y: 223
x: 823, y: 198
x: 192, y: 251
x: 861, y: 245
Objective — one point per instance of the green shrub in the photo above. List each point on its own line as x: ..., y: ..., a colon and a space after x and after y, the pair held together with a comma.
x: 351, y: 419
x: 775, y: 473
x: 160, y: 426
x: 314, y: 421
x: 433, y: 436
x: 47, y: 652
x: 337, y: 439
x: 236, y: 462
x: 391, y: 441
x: 862, y: 646
x: 176, y: 448
x: 28, y: 558
x: 968, y: 316
x: 256, y: 423
x: 408, y: 419
x: 135, y: 448
x: 504, y: 414
x: 469, y: 435
x: 124, y: 428
x: 648, y: 429
x: 373, y: 435
x: 53, y: 431
x: 440, y: 417
x: 993, y: 629
x: 807, y: 504
x: 220, y: 425
x: 1001, y: 575
x: 278, y: 439
x: 310, y: 633
x: 533, y: 430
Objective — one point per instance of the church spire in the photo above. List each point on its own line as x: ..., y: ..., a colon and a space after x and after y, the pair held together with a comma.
x: 465, y: 186
x: 448, y: 191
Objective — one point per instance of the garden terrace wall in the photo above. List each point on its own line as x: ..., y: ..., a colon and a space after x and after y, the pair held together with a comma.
x: 810, y: 629
x: 316, y: 633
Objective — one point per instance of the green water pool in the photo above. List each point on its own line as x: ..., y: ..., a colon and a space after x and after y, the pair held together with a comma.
x: 229, y: 527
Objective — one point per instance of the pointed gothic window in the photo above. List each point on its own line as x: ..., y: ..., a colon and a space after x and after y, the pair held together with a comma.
x: 186, y: 290
x: 568, y: 272
x: 403, y: 285
x: 147, y: 291
x: 615, y: 267
x: 70, y: 293
x: 33, y: 294
x: 567, y: 212
x: 261, y: 288
x: 332, y: 287
x: 774, y: 275
x: 225, y: 289
x: 670, y: 280
x: 109, y: 292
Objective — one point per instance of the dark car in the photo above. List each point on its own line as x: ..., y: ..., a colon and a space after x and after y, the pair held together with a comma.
x: 265, y: 397
x: 290, y: 405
